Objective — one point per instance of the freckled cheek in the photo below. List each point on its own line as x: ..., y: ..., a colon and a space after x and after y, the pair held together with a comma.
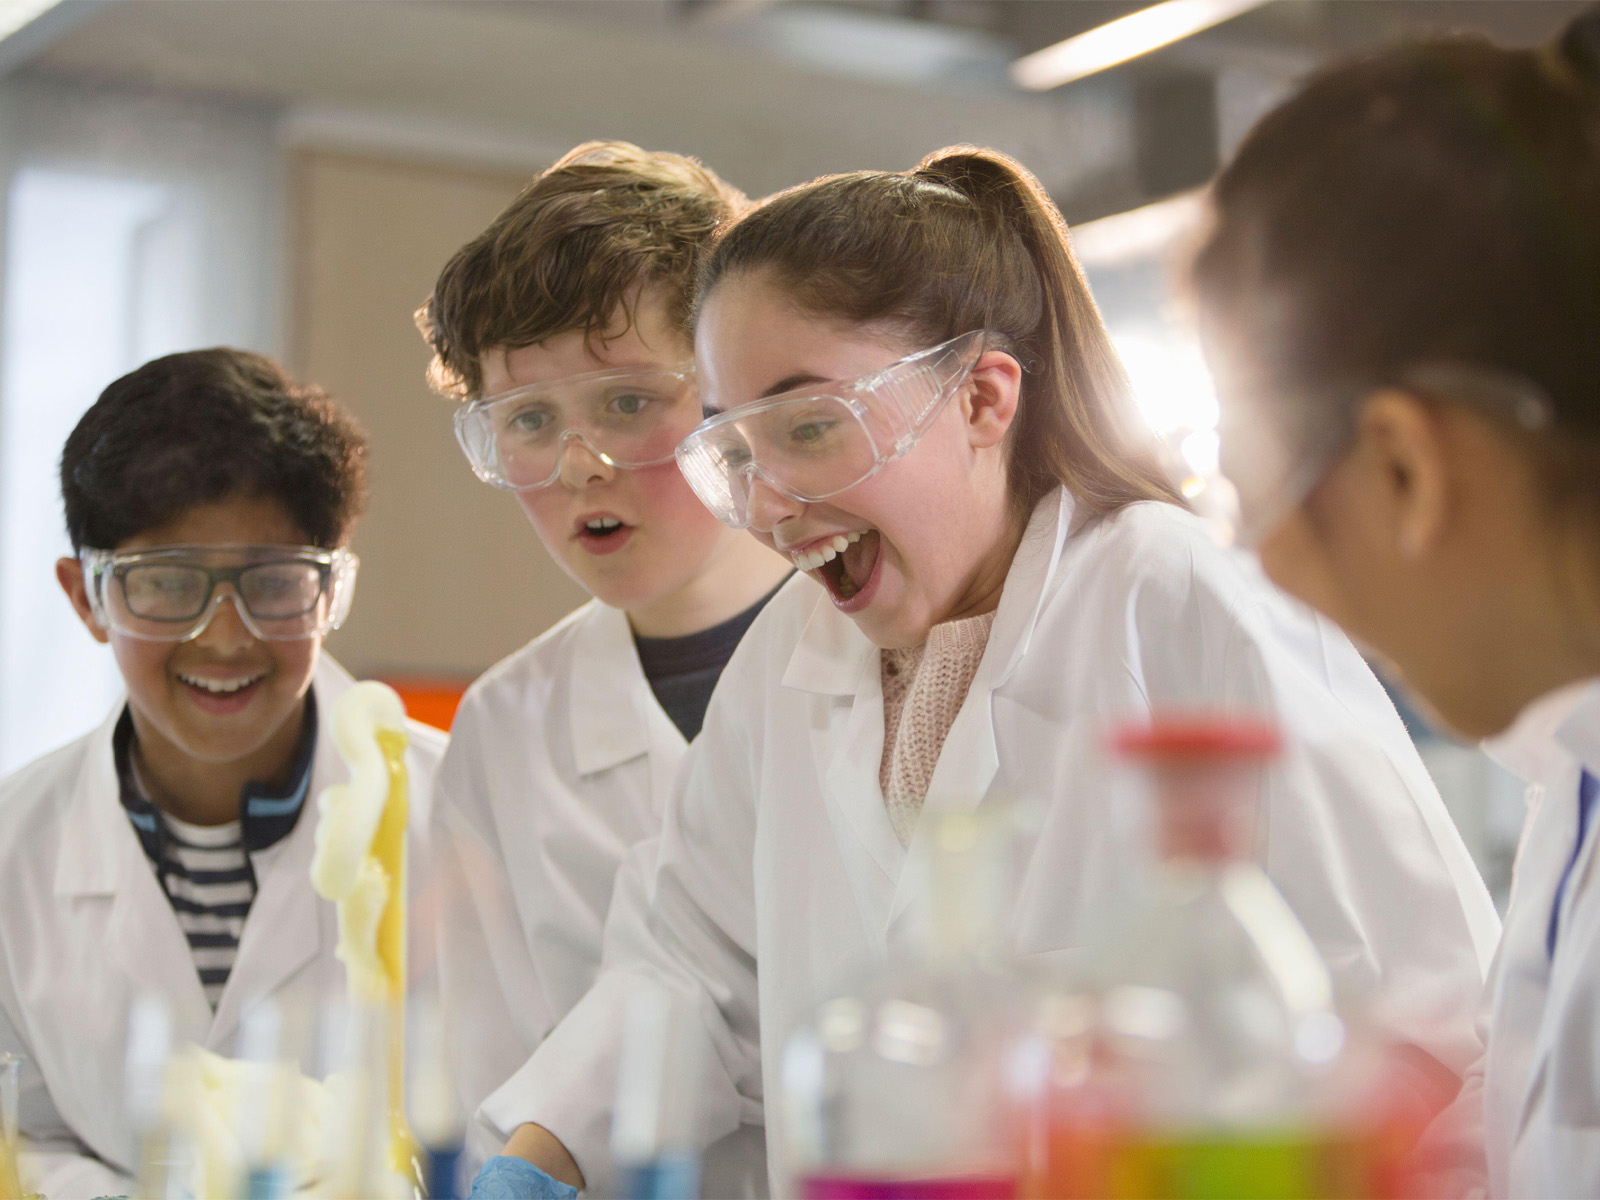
x: 664, y: 487
x: 547, y: 512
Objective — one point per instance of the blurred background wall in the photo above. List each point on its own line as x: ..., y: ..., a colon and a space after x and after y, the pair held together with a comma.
x: 290, y: 177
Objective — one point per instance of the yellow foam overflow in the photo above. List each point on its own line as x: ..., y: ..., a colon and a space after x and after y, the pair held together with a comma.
x: 360, y: 865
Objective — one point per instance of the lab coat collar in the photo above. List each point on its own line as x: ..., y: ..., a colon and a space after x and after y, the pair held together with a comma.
x: 609, y: 713
x: 87, y: 863
x: 834, y: 658
x: 1580, y: 732
x: 1561, y: 722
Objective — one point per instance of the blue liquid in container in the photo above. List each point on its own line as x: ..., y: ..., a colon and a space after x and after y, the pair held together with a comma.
x: 670, y: 1177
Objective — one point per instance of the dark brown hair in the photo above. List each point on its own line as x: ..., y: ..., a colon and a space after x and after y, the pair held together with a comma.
x: 969, y: 240
x: 194, y: 428
x: 572, y: 252
x: 1437, y: 201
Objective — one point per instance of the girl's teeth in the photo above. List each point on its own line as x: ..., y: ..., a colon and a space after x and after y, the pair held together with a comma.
x: 603, y: 523
x: 810, y: 560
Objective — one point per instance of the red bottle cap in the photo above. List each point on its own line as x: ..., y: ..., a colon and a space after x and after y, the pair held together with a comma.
x: 1172, y: 737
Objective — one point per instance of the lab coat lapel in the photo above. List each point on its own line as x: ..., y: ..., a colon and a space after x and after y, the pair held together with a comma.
x: 285, y: 928
x: 610, y: 699
x: 1570, y: 722
x: 970, y: 757
x: 105, y: 863
x: 836, y: 662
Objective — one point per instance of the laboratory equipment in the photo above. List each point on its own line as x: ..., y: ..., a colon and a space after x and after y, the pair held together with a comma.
x: 10, y: 1146
x: 436, y: 1117
x: 652, y: 1126
x: 169, y: 593
x: 627, y: 418
x: 823, y: 439
x: 1203, y: 1055
x: 898, y: 1087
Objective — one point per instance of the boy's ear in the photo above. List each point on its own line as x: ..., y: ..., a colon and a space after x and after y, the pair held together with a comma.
x: 69, y: 573
x: 991, y: 401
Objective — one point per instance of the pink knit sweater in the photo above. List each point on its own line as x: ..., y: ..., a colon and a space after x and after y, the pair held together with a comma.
x: 923, y: 689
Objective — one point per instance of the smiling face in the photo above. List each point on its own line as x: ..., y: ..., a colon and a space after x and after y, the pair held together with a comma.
x: 225, y: 696
x: 927, y: 539
x: 634, y: 538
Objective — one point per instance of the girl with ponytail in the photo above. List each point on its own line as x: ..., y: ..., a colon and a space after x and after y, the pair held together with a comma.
x: 1400, y: 296
x: 912, y: 397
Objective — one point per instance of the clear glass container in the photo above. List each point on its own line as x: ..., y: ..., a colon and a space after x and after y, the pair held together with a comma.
x: 899, y: 1088
x: 1202, y: 1054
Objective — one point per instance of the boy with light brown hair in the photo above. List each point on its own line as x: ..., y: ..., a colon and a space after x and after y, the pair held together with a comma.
x: 562, y: 330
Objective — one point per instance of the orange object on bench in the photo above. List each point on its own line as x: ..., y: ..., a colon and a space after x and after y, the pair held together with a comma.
x: 431, y: 701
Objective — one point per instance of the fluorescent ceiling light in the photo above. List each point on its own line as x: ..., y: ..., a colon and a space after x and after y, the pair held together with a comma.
x: 1140, y: 235
x: 14, y: 14
x: 1118, y: 41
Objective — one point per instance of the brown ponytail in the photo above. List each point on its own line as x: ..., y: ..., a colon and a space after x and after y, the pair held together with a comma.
x: 968, y: 240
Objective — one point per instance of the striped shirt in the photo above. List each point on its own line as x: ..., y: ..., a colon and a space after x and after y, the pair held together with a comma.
x: 205, y: 870
x: 207, y: 877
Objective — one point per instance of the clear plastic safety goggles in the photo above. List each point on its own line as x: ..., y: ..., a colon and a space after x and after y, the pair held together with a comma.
x: 170, y: 593
x: 821, y: 440
x: 627, y: 418
x: 1274, y: 460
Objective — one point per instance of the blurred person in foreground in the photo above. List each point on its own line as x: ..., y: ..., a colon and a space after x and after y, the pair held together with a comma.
x: 1400, y: 298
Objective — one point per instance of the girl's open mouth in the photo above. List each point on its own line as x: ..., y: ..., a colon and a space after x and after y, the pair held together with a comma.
x: 848, y: 575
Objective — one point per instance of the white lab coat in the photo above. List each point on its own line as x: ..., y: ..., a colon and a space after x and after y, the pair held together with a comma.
x: 1539, y: 1082
x: 560, y: 764
x: 85, y: 929
x: 777, y: 849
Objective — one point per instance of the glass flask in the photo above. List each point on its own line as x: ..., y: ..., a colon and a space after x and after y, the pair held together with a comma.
x: 1202, y: 1056
x: 653, y: 1124
x: 899, y: 1088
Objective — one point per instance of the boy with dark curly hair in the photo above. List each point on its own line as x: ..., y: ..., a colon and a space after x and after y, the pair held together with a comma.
x: 209, y: 499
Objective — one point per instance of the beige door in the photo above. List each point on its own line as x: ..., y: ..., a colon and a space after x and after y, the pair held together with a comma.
x: 452, y: 577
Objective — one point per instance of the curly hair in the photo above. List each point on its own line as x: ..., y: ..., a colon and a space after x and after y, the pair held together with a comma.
x: 572, y: 252
x: 193, y: 428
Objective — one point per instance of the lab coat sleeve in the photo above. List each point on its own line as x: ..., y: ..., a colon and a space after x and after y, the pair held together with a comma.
x: 489, y: 986
x: 682, y: 918
x: 1359, y: 842
x: 54, y: 1163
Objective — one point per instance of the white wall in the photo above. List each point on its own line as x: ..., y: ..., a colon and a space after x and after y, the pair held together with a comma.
x: 135, y: 225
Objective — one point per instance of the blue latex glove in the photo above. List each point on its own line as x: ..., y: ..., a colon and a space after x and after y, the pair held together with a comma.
x: 506, y: 1177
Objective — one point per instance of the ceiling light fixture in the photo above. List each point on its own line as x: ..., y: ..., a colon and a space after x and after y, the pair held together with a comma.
x: 1118, y: 41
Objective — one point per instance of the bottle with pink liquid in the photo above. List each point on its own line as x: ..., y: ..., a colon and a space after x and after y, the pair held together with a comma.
x: 898, y: 1088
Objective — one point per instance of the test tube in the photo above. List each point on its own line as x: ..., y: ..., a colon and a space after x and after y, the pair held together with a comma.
x: 435, y: 1111
x: 657, y: 1079
x: 10, y: 1152
x: 261, y: 1110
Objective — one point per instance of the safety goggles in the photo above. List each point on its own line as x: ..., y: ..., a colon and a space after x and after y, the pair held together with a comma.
x: 170, y: 593
x: 1274, y: 460
x: 815, y: 442
x: 627, y: 418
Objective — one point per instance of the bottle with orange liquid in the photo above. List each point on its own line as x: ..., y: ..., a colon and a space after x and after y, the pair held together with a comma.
x: 897, y: 1089
x: 1203, y: 1056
